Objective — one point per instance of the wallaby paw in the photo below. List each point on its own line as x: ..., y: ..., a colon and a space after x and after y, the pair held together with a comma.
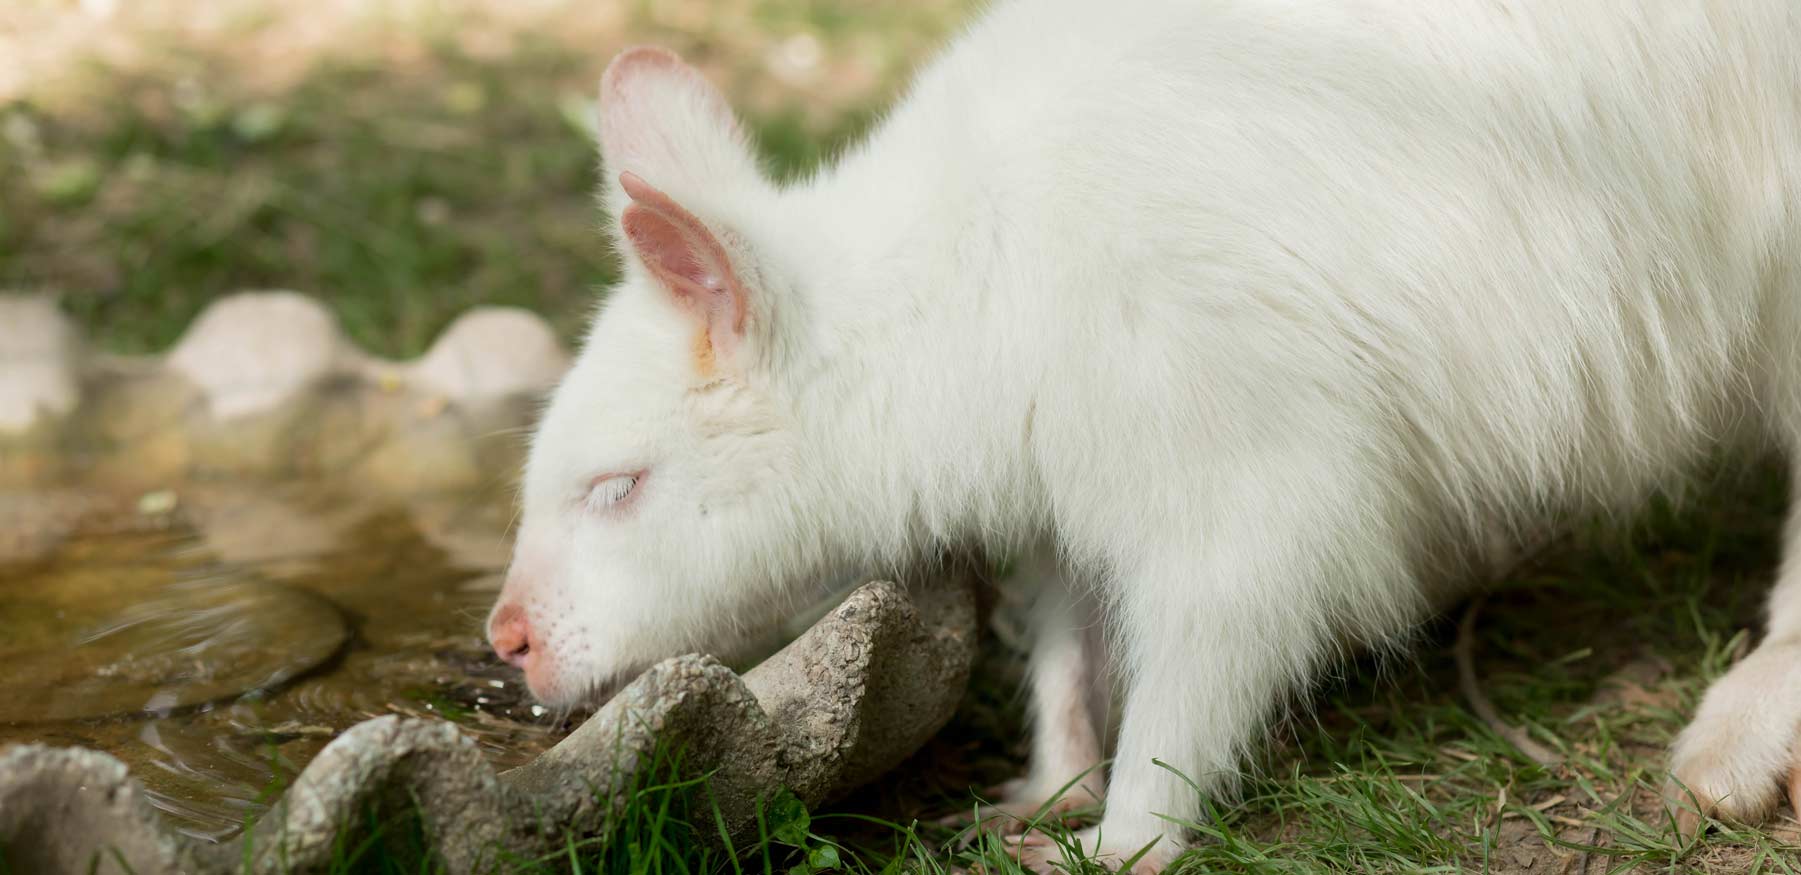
x: 1737, y: 757
x: 1023, y: 802
x: 1042, y: 854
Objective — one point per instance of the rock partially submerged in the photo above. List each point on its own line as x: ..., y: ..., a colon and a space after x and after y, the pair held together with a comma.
x: 266, y: 384
x: 849, y: 699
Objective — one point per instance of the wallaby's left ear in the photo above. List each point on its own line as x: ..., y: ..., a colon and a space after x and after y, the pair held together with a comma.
x: 661, y: 119
x: 691, y: 262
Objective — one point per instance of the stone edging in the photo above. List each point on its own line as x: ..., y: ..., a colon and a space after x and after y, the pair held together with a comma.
x: 849, y: 699
x: 266, y: 384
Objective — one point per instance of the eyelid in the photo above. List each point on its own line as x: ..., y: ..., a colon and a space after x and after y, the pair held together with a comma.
x: 635, y: 480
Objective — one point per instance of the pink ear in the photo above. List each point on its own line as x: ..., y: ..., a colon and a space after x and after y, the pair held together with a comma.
x: 686, y: 258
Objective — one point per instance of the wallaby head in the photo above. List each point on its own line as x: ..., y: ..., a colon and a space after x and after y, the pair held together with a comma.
x: 656, y: 509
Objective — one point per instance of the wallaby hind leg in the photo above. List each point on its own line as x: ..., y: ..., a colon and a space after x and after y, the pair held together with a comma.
x: 1067, y: 677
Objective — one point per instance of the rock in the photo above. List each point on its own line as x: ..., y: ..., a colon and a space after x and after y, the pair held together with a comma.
x: 131, y: 430
x: 852, y: 697
x: 268, y: 443
x: 429, y: 762
x: 266, y: 530
x: 265, y: 384
x: 424, y: 451
x: 33, y: 523
x: 79, y: 811
x: 491, y: 353
x: 250, y: 352
x: 467, y: 532
x: 38, y: 360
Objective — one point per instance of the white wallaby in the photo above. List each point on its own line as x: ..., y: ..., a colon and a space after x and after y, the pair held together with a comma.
x: 1262, y: 324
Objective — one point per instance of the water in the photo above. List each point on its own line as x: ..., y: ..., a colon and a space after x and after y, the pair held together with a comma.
x: 215, y: 637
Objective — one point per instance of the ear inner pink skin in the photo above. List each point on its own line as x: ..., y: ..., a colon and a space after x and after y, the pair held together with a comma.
x: 686, y: 257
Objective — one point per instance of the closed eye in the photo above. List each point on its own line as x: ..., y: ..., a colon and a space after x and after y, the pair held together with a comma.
x: 612, y: 491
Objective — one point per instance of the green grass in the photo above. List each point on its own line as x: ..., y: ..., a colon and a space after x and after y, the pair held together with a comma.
x: 400, y: 199
x: 403, y: 199
x: 1601, y: 650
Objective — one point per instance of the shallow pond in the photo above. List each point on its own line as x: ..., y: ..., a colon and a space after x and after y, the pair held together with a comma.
x: 215, y: 638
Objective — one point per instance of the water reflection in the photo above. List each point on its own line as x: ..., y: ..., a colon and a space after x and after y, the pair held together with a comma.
x: 217, y: 638
x: 189, y: 642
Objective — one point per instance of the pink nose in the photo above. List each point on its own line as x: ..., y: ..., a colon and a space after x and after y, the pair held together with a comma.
x: 510, y: 635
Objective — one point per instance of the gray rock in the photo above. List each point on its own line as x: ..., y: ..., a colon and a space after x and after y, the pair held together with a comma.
x: 853, y: 696
x: 78, y: 811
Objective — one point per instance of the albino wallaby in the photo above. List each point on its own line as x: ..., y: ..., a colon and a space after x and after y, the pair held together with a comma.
x: 1262, y: 324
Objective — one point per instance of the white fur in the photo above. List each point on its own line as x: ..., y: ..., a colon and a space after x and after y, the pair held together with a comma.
x: 1268, y: 315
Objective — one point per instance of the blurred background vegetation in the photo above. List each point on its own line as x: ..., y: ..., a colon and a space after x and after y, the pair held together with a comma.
x: 402, y: 159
